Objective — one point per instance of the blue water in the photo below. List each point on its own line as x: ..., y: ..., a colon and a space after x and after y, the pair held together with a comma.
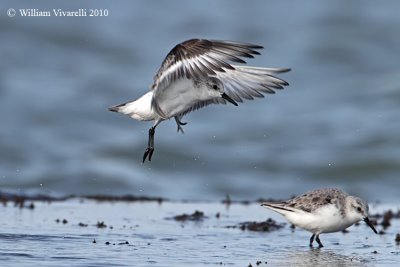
x: 337, y: 124
x: 34, y: 238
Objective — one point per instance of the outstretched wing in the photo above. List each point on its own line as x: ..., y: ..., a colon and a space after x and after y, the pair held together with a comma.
x: 197, y: 58
x: 246, y: 82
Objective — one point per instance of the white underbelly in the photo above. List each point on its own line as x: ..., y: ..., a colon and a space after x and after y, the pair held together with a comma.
x: 179, y: 97
x: 324, y: 220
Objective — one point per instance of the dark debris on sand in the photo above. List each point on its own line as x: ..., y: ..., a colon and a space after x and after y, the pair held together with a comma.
x: 384, y: 219
x: 195, y: 216
x: 397, y: 239
x: 63, y: 221
x: 266, y: 226
x: 228, y: 201
x: 27, y: 201
x: 101, y: 224
x: 20, y: 199
x: 258, y: 263
x: 388, y: 216
x: 124, y: 198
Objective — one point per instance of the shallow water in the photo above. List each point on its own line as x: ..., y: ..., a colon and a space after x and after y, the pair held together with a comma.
x: 32, y: 237
x: 336, y: 125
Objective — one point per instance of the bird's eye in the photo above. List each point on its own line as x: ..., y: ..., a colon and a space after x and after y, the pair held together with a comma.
x: 358, y: 209
x: 215, y: 87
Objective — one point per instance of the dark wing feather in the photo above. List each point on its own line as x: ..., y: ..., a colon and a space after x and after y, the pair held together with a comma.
x: 197, y: 58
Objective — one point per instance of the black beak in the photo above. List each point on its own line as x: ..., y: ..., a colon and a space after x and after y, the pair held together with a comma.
x: 368, y: 222
x: 229, y: 99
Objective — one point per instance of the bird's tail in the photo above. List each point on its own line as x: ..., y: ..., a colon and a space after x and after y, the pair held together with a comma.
x: 115, y: 108
x: 124, y: 108
x: 279, y: 207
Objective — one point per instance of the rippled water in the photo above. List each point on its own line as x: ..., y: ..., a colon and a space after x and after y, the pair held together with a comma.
x: 337, y: 124
x: 138, y: 234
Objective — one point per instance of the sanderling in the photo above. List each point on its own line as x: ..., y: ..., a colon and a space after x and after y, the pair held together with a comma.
x: 322, y: 211
x: 197, y: 73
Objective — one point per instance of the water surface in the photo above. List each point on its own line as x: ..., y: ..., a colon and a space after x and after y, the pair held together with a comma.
x: 140, y: 234
x: 336, y: 125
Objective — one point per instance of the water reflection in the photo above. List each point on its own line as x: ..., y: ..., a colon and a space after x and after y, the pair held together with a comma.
x: 322, y: 257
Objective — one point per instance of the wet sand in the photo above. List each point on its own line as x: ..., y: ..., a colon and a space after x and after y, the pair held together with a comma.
x: 130, y: 231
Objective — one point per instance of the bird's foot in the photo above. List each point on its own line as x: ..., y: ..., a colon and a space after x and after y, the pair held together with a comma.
x: 148, y: 153
x: 312, y: 240
x: 179, y: 124
x: 180, y: 129
x: 319, y: 242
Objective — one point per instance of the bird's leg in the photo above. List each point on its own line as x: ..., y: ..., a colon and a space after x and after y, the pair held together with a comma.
x: 150, y: 144
x: 179, y: 124
x: 319, y: 241
x: 312, y: 240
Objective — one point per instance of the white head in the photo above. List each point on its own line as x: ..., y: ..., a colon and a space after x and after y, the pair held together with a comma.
x: 357, y: 210
x: 216, y: 89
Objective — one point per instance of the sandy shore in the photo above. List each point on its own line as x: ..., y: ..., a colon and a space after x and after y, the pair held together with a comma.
x: 148, y: 231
